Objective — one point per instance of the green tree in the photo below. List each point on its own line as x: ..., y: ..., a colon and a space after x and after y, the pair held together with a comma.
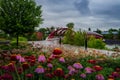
x: 18, y: 17
x: 98, y: 31
x: 70, y: 25
x: 69, y: 34
x: 44, y: 32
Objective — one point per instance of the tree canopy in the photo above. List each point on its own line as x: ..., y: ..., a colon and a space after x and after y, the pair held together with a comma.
x: 19, y: 16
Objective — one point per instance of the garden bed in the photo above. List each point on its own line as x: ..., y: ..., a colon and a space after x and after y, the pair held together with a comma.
x: 61, y: 63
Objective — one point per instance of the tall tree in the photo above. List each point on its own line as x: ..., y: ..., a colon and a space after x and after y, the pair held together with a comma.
x: 18, y: 17
x: 70, y: 25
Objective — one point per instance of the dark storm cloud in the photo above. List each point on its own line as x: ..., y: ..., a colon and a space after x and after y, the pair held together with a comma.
x: 82, y: 6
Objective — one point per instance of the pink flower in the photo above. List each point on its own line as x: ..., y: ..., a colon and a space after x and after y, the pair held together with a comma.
x: 83, y: 75
x: 62, y: 60
x: 39, y: 69
x: 69, y: 67
x: 88, y: 70
x: 99, y: 77
x: 41, y: 58
x: 72, y: 71
x: 77, y: 66
x: 49, y: 65
x: 18, y: 56
x: 22, y: 59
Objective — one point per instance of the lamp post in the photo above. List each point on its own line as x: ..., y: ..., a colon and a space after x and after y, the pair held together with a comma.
x: 85, y: 41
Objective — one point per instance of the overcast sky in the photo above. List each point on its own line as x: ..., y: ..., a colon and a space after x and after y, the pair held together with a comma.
x: 101, y: 14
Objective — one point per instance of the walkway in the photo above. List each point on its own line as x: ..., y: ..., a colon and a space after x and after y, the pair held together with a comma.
x: 69, y: 47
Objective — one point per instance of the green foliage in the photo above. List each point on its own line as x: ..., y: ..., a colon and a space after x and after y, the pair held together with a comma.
x: 74, y: 38
x: 79, y: 38
x: 21, y: 39
x: 22, y: 42
x: 44, y: 32
x: 70, y: 25
x: 96, y: 43
x: 19, y: 16
x: 69, y: 37
x: 33, y: 37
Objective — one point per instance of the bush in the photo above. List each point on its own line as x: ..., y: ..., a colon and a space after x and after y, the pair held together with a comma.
x: 69, y: 37
x: 96, y: 43
x: 79, y: 38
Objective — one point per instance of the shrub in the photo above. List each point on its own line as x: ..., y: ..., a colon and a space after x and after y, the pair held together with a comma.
x: 79, y: 38
x: 96, y: 43
x: 69, y: 37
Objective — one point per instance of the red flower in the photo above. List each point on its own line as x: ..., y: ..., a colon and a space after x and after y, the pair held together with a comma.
x: 6, y: 76
x: 59, y: 72
x: 57, y: 51
x: 49, y: 75
x: 13, y: 57
x: 11, y: 67
x: 97, y: 68
x: 25, y: 66
x: 56, y: 56
x: 115, y: 74
x: 20, y: 70
x: 32, y: 62
x: 110, y: 77
x: 117, y: 69
x: 29, y: 75
x: 92, y: 61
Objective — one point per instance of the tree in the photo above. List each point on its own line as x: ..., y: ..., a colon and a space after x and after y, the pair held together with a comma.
x: 44, y: 32
x: 18, y: 17
x: 69, y: 34
x: 98, y: 31
x: 70, y: 25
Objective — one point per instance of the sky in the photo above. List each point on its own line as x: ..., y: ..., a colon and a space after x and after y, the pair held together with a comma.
x: 94, y: 14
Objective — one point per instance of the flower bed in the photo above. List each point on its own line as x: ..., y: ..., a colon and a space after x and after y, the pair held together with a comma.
x: 58, y: 64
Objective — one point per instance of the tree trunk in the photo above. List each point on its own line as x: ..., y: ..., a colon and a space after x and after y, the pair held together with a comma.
x: 17, y: 41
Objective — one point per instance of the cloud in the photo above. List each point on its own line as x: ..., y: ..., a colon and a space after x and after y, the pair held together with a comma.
x: 106, y: 8
x: 103, y: 14
x: 82, y: 6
